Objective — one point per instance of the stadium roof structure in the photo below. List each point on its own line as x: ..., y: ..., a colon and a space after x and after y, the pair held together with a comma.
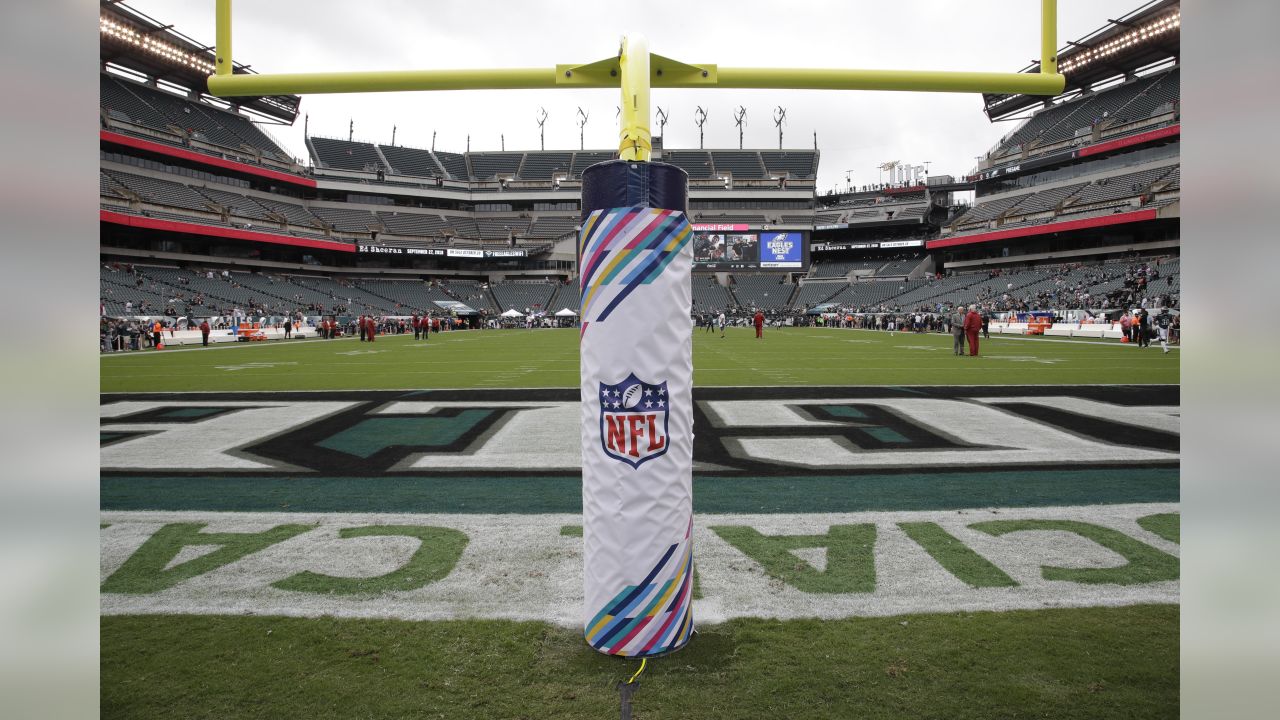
x: 130, y: 39
x: 1145, y: 37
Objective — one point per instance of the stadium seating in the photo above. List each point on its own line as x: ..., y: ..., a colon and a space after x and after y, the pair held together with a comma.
x: 542, y: 165
x: 1111, y: 107
x: 765, y: 291
x: 741, y: 164
x: 411, y: 161
x: 346, y: 219
x: 454, y: 164
x: 552, y: 226
x: 161, y: 192
x: 799, y: 164
x: 412, y: 223
x: 811, y: 294
x: 530, y: 295
x: 695, y: 162
x: 162, y: 110
x: 584, y: 160
x: 345, y: 155
x: 710, y: 296
x: 487, y: 166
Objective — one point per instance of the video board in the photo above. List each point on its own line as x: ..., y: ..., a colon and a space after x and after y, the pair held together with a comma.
x: 737, y: 247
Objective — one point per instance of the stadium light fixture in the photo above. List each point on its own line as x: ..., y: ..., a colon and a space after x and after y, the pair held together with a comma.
x: 635, y: 71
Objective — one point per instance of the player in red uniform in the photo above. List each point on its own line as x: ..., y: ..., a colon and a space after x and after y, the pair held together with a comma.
x: 758, y: 321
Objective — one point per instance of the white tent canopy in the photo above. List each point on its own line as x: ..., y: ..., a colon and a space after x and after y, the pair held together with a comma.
x: 513, y: 313
x: 566, y: 312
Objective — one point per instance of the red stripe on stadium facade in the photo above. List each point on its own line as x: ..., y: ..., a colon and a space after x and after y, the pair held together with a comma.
x: 162, y: 149
x: 1138, y: 139
x: 1093, y: 222
x: 140, y: 221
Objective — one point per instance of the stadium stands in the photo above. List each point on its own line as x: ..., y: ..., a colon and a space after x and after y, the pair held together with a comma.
x: 543, y: 165
x: 345, y: 155
x: 411, y: 161
x: 454, y: 164
x: 799, y: 164
x: 487, y: 166
x: 765, y: 291
x: 163, y: 110
x: 710, y: 296
x: 584, y: 160
x: 527, y: 296
x: 741, y: 164
x: 695, y: 162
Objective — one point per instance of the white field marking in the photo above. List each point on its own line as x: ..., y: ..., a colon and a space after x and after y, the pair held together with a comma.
x: 1000, y: 437
x: 219, y: 346
x: 1166, y: 418
x: 252, y: 366
x: 1025, y: 358
x: 519, y: 567
x: 209, y: 444
x: 544, y: 435
x: 919, y: 347
x: 361, y: 352
x: 1114, y: 343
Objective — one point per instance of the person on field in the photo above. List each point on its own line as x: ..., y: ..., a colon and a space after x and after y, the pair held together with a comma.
x: 417, y: 327
x: 288, y: 328
x: 204, y: 333
x: 957, y: 332
x: 972, y: 326
x: 986, y: 325
x: 371, y: 328
x: 722, y: 321
x: 157, y: 334
x: 1163, y: 322
x: 1144, y: 329
x: 360, y: 322
x: 758, y: 321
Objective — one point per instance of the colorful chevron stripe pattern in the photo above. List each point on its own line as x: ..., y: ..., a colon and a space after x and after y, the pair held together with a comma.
x: 621, y: 249
x: 651, y: 618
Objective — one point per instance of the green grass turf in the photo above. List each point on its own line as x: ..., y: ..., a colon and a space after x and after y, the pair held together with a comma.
x: 549, y: 358
x: 1061, y: 663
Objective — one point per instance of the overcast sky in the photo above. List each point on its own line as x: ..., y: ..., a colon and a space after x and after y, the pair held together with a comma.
x: 856, y: 130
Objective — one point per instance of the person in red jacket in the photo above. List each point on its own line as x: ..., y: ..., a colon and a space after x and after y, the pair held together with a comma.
x: 371, y: 328
x: 758, y: 321
x: 204, y: 332
x: 972, y: 326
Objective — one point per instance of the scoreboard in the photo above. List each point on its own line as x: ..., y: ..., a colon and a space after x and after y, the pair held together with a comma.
x: 737, y: 247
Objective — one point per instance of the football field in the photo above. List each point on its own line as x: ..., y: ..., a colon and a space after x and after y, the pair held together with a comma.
x: 549, y: 358
x: 882, y: 529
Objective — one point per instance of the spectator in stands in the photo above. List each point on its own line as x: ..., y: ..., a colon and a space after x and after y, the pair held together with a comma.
x: 972, y: 324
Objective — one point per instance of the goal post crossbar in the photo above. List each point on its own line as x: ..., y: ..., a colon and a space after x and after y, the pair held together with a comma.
x: 634, y: 70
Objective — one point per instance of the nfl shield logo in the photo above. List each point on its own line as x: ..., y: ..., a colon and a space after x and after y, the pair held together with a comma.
x: 633, y: 420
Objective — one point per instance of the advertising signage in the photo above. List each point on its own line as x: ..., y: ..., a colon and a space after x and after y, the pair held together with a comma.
x: 877, y: 245
x: 719, y: 249
x: 469, y: 253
